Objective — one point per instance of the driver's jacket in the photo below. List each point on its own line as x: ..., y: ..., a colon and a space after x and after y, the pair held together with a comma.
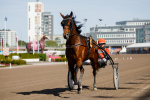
x: 101, y: 53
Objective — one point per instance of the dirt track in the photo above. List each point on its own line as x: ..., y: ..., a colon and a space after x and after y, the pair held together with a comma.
x: 49, y: 82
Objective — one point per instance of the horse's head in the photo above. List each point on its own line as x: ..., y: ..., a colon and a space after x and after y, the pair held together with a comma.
x: 45, y: 37
x: 67, y: 25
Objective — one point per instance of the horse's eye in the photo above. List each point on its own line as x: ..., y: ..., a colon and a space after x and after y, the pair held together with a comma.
x: 69, y: 22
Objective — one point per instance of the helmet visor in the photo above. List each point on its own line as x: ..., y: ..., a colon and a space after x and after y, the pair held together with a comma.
x: 101, y: 43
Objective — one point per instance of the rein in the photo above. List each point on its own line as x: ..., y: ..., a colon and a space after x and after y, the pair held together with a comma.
x: 106, y: 54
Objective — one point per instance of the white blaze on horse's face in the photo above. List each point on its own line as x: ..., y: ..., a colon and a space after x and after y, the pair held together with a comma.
x: 66, y: 28
x: 66, y: 32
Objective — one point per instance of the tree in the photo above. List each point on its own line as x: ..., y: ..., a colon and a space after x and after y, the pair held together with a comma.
x: 3, y: 44
x: 20, y: 42
x: 51, y: 43
x: 7, y: 44
x: 62, y: 44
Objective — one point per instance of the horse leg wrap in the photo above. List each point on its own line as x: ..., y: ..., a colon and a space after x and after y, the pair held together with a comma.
x: 75, y: 77
x: 75, y: 87
x: 79, y: 83
x: 94, y: 85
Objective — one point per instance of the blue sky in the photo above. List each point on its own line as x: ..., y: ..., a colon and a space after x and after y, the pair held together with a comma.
x: 110, y: 11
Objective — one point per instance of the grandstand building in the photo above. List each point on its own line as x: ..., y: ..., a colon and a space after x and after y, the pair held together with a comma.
x: 124, y: 33
x: 138, y: 48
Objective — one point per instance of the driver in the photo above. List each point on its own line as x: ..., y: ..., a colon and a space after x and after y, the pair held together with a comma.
x: 102, y: 62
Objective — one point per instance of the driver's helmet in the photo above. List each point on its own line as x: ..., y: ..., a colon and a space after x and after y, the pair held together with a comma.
x: 101, y: 41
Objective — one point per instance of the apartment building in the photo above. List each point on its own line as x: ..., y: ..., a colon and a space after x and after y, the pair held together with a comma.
x: 35, y: 10
x: 47, y: 24
x: 10, y: 37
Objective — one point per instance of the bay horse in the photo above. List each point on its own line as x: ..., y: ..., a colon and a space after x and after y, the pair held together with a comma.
x: 78, y: 50
x: 41, y: 44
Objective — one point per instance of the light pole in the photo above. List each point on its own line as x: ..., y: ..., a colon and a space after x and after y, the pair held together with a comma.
x: 37, y: 27
x: 5, y: 31
x: 85, y: 27
x: 100, y: 26
x: 21, y: 38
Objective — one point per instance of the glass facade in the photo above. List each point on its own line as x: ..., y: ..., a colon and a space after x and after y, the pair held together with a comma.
x: 147, y: 32
x: 140, y: 36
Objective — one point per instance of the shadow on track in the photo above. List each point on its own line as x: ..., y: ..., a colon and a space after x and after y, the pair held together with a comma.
x: 55, y: 92
x: 105, y: 88
x: 105, y: 97
x: 134, y: 83
x: 145, y: 96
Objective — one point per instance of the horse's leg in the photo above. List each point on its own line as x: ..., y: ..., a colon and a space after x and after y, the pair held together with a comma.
x: 28, y: 50
x: 41, y: 50
x: 80, y: 79
x: 73, y: 70
x: 75, y: 77
x: 79, y: 64
x: 94, y: 65
x: 94, y: 74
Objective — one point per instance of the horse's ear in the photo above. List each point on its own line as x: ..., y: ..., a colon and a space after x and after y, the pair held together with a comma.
x: 62, y: 15
x: 71, y: 13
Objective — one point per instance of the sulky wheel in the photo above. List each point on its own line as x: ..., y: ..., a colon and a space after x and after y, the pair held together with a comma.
x: 116, y: 77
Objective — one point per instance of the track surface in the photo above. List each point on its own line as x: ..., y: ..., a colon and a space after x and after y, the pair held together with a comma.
x: 49, y: 81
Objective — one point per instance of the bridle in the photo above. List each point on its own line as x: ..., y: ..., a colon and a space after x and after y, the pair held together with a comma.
x: 71, y: 35
x: 70, y: 26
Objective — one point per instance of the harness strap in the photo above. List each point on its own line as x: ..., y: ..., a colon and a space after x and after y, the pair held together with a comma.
x: 87, y: 55
x: 67, y: 46
x: 97, y: 52
x: 89, y: 49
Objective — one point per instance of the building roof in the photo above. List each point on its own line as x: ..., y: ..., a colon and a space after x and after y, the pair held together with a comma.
x: 140, y: 45
x: 137, y: 20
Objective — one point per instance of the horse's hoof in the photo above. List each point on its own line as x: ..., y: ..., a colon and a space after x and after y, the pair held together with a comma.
x: 80, y: 91
x: 75, y: 87
x: 94, y: 89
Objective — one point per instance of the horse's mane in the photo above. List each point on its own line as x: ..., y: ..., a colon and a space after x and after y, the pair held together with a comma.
x: 78, y: 27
